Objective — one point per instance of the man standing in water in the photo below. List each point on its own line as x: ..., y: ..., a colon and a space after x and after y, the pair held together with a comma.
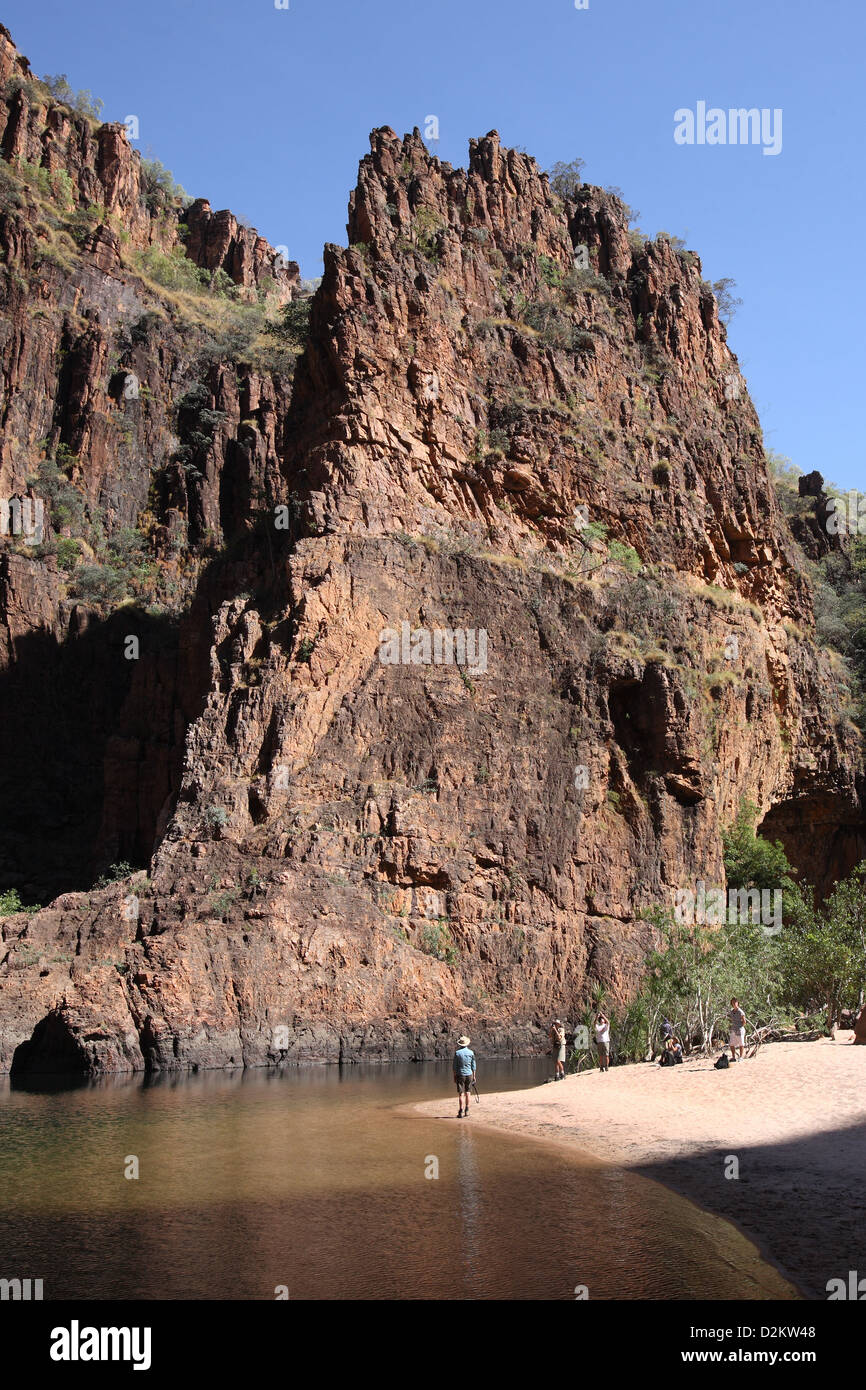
x: 464, y: 1074
x: 737, y: 1021
x: 557, y: 1046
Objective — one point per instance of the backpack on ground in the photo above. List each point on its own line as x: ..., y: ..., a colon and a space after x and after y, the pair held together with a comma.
x: 722, y: 1064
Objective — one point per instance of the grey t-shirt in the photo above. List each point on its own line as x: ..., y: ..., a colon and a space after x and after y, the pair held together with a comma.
x: 738, y: 1018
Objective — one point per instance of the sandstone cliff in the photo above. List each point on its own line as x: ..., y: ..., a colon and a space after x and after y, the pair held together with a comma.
x: 511, y: 415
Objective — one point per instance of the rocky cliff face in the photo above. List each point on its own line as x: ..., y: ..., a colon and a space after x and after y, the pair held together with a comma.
x: 129, y: 403
x: 512, y: 417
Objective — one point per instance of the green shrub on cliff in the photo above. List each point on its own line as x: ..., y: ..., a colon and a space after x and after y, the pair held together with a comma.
x: 11, y: 196
x: 550, y: 272
x: 625, y: 555
x: 173, y: 270
x: 10, y: 902
x: 840, y: 615
x: 83, y: 102
x: 97, y: 584
x: 435, y: 939
x: 293, y: 325
x: 66, y: 504
x: 751, y: 862
x: 159, y: 186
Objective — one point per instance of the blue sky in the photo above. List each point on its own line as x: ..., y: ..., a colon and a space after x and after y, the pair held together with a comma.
x: 268, y: 111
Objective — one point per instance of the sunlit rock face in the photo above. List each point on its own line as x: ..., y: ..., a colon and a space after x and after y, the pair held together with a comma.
x: 471, y: 638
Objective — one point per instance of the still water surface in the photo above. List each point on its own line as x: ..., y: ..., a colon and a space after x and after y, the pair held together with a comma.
x: 314, y: 1179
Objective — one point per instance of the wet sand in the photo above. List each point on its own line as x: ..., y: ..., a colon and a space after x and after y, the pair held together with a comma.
x: 790, y: 1122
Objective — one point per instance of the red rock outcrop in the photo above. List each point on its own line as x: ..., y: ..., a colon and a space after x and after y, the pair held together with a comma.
x: 511, y: 416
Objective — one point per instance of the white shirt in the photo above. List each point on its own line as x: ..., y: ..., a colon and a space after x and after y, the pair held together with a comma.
x: 602, y: 1032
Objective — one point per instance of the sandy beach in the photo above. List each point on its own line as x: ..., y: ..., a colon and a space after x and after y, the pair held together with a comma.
x: 794, y: 1118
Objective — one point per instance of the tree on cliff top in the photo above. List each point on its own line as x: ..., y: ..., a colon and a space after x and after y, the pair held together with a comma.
x: 565, y: 179
x: 83, y: 102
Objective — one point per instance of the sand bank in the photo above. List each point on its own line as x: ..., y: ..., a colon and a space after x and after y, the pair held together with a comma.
x: 793, y: 1118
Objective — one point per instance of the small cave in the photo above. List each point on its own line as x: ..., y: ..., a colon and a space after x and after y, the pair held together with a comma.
x: 641, y: 711
x: 627, y: 706
x: 824, y: 836
x: 52, y: 1049
x: 638, y: 712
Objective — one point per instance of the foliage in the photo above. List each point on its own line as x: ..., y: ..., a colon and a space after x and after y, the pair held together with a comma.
x: 97, y: 584
x: 122, y: 869
x: 159, y: 186
x: 293, y: 325
x: 428, y: 225
x: 52, y: 184
x: 751, y: 862
x: 724, y: 291
x: 173, y: 270
x: 550, y: 271
x: 840, y: 613
x: 675, y: 242
x: 435, y: 939
x: 838, y: 581
x: 580, y: 282
x: 698, y: 969
x: 68, y: 552
x: 101, y: 572
x: 196, y: 426
x: 566, y: 179
x: 10, y: 189
x: 10, y: 902
x: 823, y: 947
x: 554, y: 328
x: 631, y: 214
x: 237, y: 334
x: 625, y: 555
x: 82, y: 102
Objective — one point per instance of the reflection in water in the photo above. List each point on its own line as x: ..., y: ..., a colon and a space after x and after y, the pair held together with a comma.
x: 470, y: 1197
x: 315, y: 1179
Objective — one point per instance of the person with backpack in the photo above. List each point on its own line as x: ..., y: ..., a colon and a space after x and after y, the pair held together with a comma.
x: 557, y: 1046
x: 737, y: 1020
x: 463, y: 1067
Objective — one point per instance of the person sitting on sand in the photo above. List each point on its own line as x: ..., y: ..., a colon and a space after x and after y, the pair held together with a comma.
x: 672, y: 1054
x: 557, y: 1044
x: 602, y: 1041
x: 737, y: 1021
x: 464, y: 1074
